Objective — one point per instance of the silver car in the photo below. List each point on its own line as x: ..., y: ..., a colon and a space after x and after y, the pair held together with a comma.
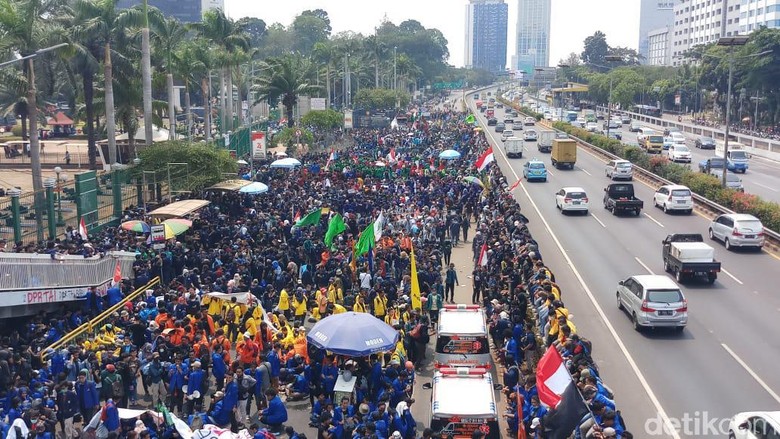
x: 737, y: 230
x: 653, y: 301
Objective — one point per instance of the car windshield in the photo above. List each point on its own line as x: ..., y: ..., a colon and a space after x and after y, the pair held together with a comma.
x: 664, y: 296
x: 536, y: 165
x: 680, y: 148
x: 655, y: 139
x: 738, y: 155
x: 681, y: 193
x: 623, y: 165
x: 576, y: 195
x: 707, y: 140
x: 753, y: 226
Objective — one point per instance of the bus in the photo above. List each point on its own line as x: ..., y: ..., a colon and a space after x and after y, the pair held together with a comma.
x: 647, y: 110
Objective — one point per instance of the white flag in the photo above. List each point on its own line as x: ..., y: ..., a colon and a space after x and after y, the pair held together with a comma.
x: 379, y: 224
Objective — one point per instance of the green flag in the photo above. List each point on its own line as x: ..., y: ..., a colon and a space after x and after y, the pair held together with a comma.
x: 366, y: 240
x: 470, y: 119
x: 310, y: 219
x: 335, y: 226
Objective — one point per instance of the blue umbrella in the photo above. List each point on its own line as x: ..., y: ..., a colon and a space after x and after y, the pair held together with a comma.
x: 353, y: 334
x: 449, y: 154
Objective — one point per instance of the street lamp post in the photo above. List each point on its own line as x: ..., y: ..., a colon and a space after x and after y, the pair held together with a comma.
x: 395, y: 75
x: 609, y: 98
x: 757, y: 99
x: 737, y: 40
x: 60, y: 220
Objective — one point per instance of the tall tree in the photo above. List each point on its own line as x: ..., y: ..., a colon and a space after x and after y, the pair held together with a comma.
x: 25, y: 28
x: 324, y: 54
x: 227, y: 35
x: 596, y: 48
x: 168, y: 35
x: 146, y: 74
x: 285, y: 79
x: 187, y: 66
x: 309, y: 28
x: 102, y: 19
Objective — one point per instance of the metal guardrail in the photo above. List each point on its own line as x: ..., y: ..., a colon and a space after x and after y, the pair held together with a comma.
x: 96, y: 321
x: 772, y: 237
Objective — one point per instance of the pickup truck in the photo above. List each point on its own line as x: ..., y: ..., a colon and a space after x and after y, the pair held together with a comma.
x: 687, y: 256
x: 619, y: 197
x: 711, y: 164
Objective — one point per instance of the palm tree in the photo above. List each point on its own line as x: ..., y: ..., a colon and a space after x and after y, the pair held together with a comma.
x: 228, y: 36
x: 203, y: 61
x: 25, y: 28
x: 285, y: 78
x: 169, y: 35
x: 87, y: 50
x: 324, y: 53
x: 187, y: 64
x: 146, y: 75
x: 377, y: 49
x: 102, y: 19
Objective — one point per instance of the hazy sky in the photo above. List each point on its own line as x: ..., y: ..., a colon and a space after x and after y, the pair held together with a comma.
x: 572, y: 20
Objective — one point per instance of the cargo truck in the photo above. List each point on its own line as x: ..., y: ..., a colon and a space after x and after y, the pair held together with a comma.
x: 564, y: 153
x: 514, y: 147
x: 737, y: 156
x: 687, y: 256
x: 545, y: 141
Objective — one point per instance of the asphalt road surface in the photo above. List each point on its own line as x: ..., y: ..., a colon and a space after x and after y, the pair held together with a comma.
x: 762, y: 177
x: 724, y: 361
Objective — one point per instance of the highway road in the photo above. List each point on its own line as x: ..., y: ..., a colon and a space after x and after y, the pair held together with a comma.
x: 762, y: 178
x: 721, y: 364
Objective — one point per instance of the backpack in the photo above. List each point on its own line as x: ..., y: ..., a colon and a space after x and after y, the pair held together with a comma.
x: 416, y: 333
x: 231, y: 314
x: 587, y: 345
x: 117, y: 389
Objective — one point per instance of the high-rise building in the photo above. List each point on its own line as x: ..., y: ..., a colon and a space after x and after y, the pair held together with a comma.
x: 486, y: 31
x: 756, y: 14
x: 701, y: 22
x: 653, y: 15
x: 533, y: 35
x: 186, y: 11
x: 659, y: 51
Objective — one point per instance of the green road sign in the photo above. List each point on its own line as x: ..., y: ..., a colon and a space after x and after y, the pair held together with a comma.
x: 447, y: 85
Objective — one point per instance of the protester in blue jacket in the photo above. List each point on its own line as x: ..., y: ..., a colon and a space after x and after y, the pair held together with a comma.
x: 276, y: 413
x: 89, y: 400
x: 217, y: 412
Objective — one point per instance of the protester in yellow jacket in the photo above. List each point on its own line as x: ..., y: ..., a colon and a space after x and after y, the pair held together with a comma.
x: 360, y: 305
x: 284, y: 301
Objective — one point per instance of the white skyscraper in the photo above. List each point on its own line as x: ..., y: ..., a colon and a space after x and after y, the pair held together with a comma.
x: 701, y: 22
x: 533, y: 35
x: 653, y: 15
x: 758, y: 13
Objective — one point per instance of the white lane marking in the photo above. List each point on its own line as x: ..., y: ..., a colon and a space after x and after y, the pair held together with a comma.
x: 765, y: 186
x: 644, y: 266
x: 752, y: 373
x: 669, y: 426
x: 652, y: 219
x: 731, y: 276
x: 583, y: 170
x: 549, y: 173
x: 598, y: 220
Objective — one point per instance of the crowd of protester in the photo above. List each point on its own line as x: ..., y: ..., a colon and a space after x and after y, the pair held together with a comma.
x: 213, y: 356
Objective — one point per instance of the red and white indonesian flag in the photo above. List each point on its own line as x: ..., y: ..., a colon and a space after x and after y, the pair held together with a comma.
x: 331, y: 157
x: 485, y: 159
x: 391, y: 156
x: 552, y: 378
x: 483, y: 256
x: 83, y: 229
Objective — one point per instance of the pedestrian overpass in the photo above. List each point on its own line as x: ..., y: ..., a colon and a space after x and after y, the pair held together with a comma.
x: 30, y: 283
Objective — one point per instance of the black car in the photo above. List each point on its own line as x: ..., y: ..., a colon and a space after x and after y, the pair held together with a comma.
x: 705, y: 143
x: 492, y: 121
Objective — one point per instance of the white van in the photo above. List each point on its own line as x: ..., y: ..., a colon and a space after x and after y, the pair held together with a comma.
x: 462, y: 339
x: 642, y: 134
x: 463, y: 401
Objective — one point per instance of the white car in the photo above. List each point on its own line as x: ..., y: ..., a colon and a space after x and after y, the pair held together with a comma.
x: 572, y: 199
x: 679, y: 153
x: 755, y: 425
x: 674, y: 197
x: 506, y: 134
x: 677, y: 136
x: 530, y: 121
x: 580, y: 122
x: 592, y: 127
x: 737, y: 230
x: 530, y: 136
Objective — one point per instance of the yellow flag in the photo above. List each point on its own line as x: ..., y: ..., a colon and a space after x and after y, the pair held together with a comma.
x: 416, y: 303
